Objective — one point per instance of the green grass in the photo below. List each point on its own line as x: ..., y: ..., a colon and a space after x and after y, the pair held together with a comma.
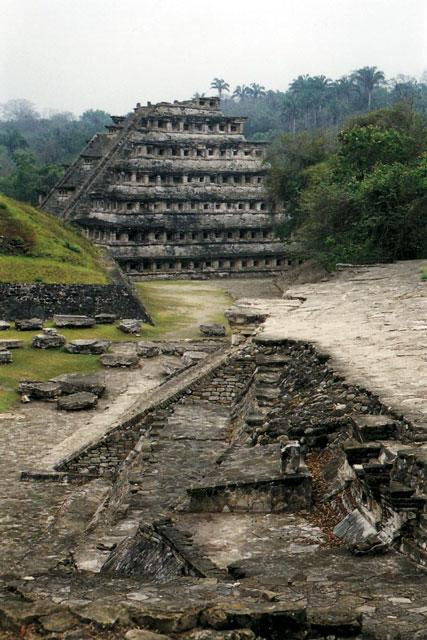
x: 39, y: 364
x: 179, y: 307
x: 39, y: 247
x: 423, y: 272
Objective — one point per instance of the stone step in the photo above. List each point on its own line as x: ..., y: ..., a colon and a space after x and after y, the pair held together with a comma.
x: 358, y: 453
x: 373, y: 428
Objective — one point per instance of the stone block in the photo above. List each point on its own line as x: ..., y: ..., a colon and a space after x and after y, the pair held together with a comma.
x: 10, y: 344
x: 119, y: 360
x: 72, y: 321
x: 29, y: 324
x: 130, y: 326
x: 94, y: 346
x: 75, y: 382
x: 40, y: 390
x: 105, y: 318
x: 147, y: 349
x: 78, y: 401
x: 48, y: 341
x: 4, y: 325
x: 5, y: 356
x: 192, y: 357
x: 213, y: 329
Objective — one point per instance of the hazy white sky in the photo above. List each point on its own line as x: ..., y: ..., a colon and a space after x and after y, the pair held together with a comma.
x: 109, y: 54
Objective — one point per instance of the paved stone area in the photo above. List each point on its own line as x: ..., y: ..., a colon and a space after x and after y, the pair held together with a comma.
x: 373, y: 322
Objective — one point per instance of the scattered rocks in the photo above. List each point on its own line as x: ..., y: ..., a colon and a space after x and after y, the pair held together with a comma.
x: 119, y: 360
x: 4, y: 325
x: 87, y: 346
x: 73, y: 321
x: 48, y: 341
x: 78, y: 401
x: 29, y: 324
x: 5, y: 357
x: 75, y: 382
x: 212, y: 329
x: 40, y: 390
x: 130, y: 326
x: 105, y: 318
x: 147, y: 349
x: 10, y: 344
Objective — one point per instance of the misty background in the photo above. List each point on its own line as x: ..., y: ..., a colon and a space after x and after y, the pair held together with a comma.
x: 74, y: 55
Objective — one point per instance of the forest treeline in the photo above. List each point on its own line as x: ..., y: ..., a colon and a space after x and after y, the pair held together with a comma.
x: 35, y: 148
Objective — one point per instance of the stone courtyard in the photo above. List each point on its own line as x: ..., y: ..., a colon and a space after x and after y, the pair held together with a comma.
x: 276, y: 488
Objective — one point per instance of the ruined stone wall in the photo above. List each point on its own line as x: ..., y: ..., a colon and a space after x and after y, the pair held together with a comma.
x: 45, y: 300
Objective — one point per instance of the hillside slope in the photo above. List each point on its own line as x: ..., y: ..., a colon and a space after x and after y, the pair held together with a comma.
x: 37, y: 247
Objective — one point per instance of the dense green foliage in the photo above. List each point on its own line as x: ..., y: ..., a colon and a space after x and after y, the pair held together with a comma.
x: 318, y: 102
x: 36, y: 246
x: 362, y: 198
x: 34, y: 149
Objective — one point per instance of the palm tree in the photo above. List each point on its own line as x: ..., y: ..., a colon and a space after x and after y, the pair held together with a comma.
x: 256, y: 90
x: 345, y: 87
x: 220, y: 85
x: 240, y: 92
x: 367, y: 79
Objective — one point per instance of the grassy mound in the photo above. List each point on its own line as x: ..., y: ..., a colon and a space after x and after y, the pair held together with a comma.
x: 37, y: 247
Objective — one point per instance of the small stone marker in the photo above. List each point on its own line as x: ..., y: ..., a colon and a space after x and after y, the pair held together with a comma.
x: 78, y: 401
x: 10, y: 344
x: 48, y: 341
x: 212, y: 329
x: 119, y: 360
x: 130, y: 326
x: 40, y: 390
x: 4, y: 325
x: 147, y: 349
x: 75, y: 382
x: 87, y: 346
x: 29, y: 324
x: 73, y: 321
x: 105, y: 318
x: 5, y: 357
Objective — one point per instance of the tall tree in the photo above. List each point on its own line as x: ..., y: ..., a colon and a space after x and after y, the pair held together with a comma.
x: 240, y: 92
x: 256, y: 90
x: 220, y: 85
x: 367, y: 79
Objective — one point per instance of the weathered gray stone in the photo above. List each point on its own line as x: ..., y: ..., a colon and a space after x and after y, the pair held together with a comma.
x: 40, y: 390
x: 130, y: 326
x: 87, y: 346
x: 213, y: 329
x: 242, y: 316
x: 11, y: 344
x: 119, y: 360
x: 59, y: 621
x: 29, y: 324
x: 148, y: 349
x: 105, y: 318
x: 144, y: 634
x: 4, y: 325
x: 354, y: 528
x: 48, y: 341
x: 73, y: 321
x: 78, y: 401
x: 193, y: 357
x: 5, y: 356
x: 75, y: 382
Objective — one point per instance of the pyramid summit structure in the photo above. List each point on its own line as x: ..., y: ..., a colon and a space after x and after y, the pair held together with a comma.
x: 174, y: 190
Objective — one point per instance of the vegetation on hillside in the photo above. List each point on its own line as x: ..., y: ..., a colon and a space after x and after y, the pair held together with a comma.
x: 34, y: 149
x: 36, y: 247
x: 359, y: 196
x: 317, y: 102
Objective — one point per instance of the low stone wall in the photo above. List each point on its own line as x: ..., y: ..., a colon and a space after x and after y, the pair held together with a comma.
x: 45, y: 300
